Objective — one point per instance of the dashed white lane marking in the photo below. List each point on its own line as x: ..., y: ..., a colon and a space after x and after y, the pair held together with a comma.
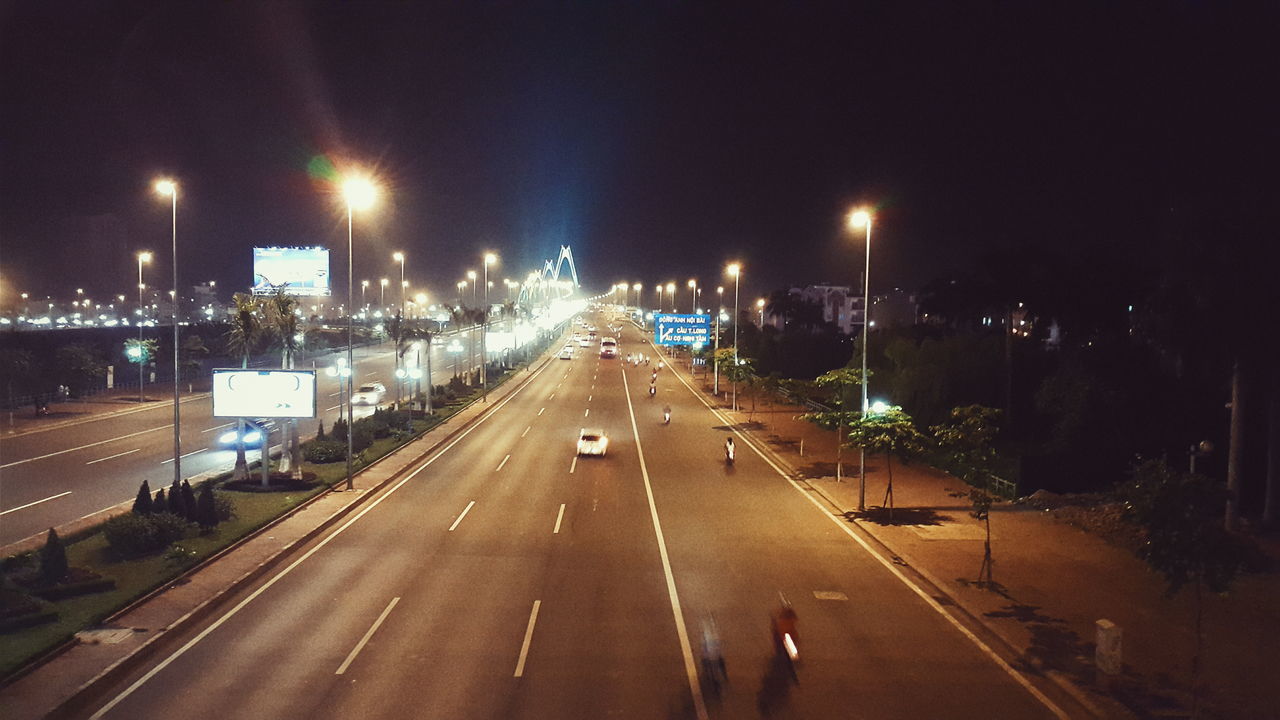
x: 552, y: 396
x: 335, y: 407
x: 219, y: 427
x: 589, y: 397
x: 113, y: 457
x: 573, y: 465
x: 504, y: 462
x: 526, y: 431
x: 528, y: 638
x: 464, y: 514
x: 51, y: 497
x: 559, y: 517
x: 542, y: 411
x: 193, y: 452
x: 85, y: 447
x: 360, y: 645
x: 588, y: 412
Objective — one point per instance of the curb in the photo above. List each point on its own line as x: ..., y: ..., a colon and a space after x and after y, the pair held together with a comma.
x: 92, y: 688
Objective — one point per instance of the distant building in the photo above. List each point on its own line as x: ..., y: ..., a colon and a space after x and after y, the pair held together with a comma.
x: 839, y: 305
x: 896, y: 308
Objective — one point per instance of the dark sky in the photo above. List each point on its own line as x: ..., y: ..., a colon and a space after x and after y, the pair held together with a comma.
x: 658, y: 139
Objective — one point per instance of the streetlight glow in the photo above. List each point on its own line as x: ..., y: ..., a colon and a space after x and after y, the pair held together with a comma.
x: 359, y: 193
x: 859, y: 218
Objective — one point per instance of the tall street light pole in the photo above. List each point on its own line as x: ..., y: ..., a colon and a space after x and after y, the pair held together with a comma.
x: 382, y: 297
x: 693, y: 296
x: 471, y: 276
x: 862, y: 218
x: 395, y: 351
x: 359, y: 194
x: 170, y: 188
x: 143, y: 257
x: 364, y: 286
x: 671, y: 293
x: 715, y: 354
x: 489, y: 259
x: 736, y: 271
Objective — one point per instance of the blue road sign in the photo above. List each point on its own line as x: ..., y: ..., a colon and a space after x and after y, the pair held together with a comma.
x: 671, y: 329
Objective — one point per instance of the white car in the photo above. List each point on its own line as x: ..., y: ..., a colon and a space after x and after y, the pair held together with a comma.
x: 584, y: 342
x: 592, y: 441
x: 371, y: 394
x: 566, y: 353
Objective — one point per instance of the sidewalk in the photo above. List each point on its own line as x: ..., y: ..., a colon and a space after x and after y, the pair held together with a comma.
x: 69, y: 682
x: 1053, y: 581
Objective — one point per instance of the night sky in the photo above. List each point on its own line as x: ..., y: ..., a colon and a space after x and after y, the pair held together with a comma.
x: 658, y: 139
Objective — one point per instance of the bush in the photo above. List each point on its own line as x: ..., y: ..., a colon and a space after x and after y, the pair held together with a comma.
x: 362, y: 435
x: 132, y: 535
x: 53, y: 559
x: 223, y: 508
x: 325, y: 451
x: 142, y: 503
x: 206, y: 510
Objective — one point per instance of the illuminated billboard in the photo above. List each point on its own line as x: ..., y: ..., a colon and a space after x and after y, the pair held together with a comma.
x: 264, y: 393
x: 303, y: 270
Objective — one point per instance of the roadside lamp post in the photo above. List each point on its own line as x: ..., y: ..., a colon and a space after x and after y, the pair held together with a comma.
x: 359, y: 194
x: 471, y: 277
x: 715, y: 354
x: 489, y: 259
x: 170, y: 189
x: 735, y: 269
x: 382, y: 297
x: 639, y: 300
x: 462, y: 285
x: 693, y: 295
x: 399, y: 257
x: 143, y: 257
x: 658, y: 289
x: 671, y: 293
x: 760, y: 307
x: 862, y: 218
x: 364, y: 286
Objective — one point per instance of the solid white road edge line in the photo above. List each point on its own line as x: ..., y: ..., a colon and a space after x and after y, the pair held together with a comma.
x: 690, y: 668
x: 51, y: 497
x: 85, y: 447
x: 465, y: 510
x: 888, y: 565
x: 291, y: 566
x: 360, y: 645
x: 113, y: 457
x: 559, y: 517
x: 528, y: 637
x: 504, y: 462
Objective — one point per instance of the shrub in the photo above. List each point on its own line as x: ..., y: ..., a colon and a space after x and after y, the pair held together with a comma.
x: 189, y: 502
x: 142, y: 503
x: 160, y: 504
x: 320, y: 432
x: 206, y: 511
x: 223, y: 509
x: 339, y: 431
x: 130, y: 535
x: 325, y: 451
x: 53, y: 559
x: 169, y: 527
x: 177, y: 503
x: 362, y: 436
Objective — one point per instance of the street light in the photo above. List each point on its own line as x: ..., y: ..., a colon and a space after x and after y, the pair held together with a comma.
x: 671, y: 293
x: 735, y: 269
x: 857, y: 219
x: 382, y: 297
x: 399, y: 257
x: 170, y: 188
x: 715, y: 353
x: 471, y: 276
x: 462, y: 285
x: 360, y: 195
x: 143, y: 257
x: 760, y: 307
x: 693, y: 295
x: 364, y: 285
x: 489, y: 259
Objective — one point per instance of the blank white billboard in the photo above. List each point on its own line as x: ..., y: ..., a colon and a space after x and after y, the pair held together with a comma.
x: 303, y: 270
x: 264, y: 393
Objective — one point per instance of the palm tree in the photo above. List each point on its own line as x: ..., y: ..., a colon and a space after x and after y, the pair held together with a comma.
x: 246, y: 327
x: 279, y: 310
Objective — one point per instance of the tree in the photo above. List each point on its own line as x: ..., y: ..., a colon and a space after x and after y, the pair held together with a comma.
x: 15, y: 366
x: 891, y: 432
x: 741, y: 372
x: 160, y: 504
x: 1180, y: 515
x: 206, y: 508
x: 189, y: 352
x: 142, y: 503
x: 177, y: 502
x: 79, y: 366
x: 53, y: 559
x: 836, y: 385
x: 246, y: 327
x: 969, y: 439
x: 280, y: 315
x: 189, y: 502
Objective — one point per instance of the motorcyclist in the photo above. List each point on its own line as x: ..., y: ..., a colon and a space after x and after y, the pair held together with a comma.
x: 728, y: 449
x: 666, y: 415
x: 712, y: 658
x: 784, y: 626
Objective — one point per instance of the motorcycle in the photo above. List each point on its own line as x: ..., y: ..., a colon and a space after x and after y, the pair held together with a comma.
x: 728, y: 451
x: 653, y: 390
x: 666, y: 416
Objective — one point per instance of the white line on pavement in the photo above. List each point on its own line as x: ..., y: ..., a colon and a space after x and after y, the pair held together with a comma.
x: 573, y: 465
x: 51, y: 497
x: 690, y: 669
x: 163, y: 462
x: 335, y: 394
x: 526, y: 431
x: 888, y: 565
x: 528, y: 637
x: 559, y: 517
x: 85, y: 447
x: 113, y: 457
x: 552, y: 396
x: 464, y: 514
x: 588, y: 412
x: 360, y: 645
x: 589, y: 397
x: 218, y: 427
x: 542, y: 411
x: 504, y: 462
x: 335, y: 407
x: 294, y: 565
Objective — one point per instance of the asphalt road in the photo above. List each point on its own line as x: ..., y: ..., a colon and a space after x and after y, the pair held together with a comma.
x: 54, y: 476
x: 505, y: 578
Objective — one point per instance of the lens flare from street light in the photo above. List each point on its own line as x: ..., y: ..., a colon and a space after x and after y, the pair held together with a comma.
x: 859, y: 218
x: 168, y: 188
x: 359, y: 193
x: 490, y: 259
x: 734, y: 269
x: 144, y: 257
x: 671, y: 287
x: 397, y: 256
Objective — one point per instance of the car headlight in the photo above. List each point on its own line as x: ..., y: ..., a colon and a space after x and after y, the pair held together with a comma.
x: 253, y: 437
x: 228, y: 437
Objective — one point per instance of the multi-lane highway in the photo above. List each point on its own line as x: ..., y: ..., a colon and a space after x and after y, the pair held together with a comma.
x: 54, y: 476
x: 505, y: 577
